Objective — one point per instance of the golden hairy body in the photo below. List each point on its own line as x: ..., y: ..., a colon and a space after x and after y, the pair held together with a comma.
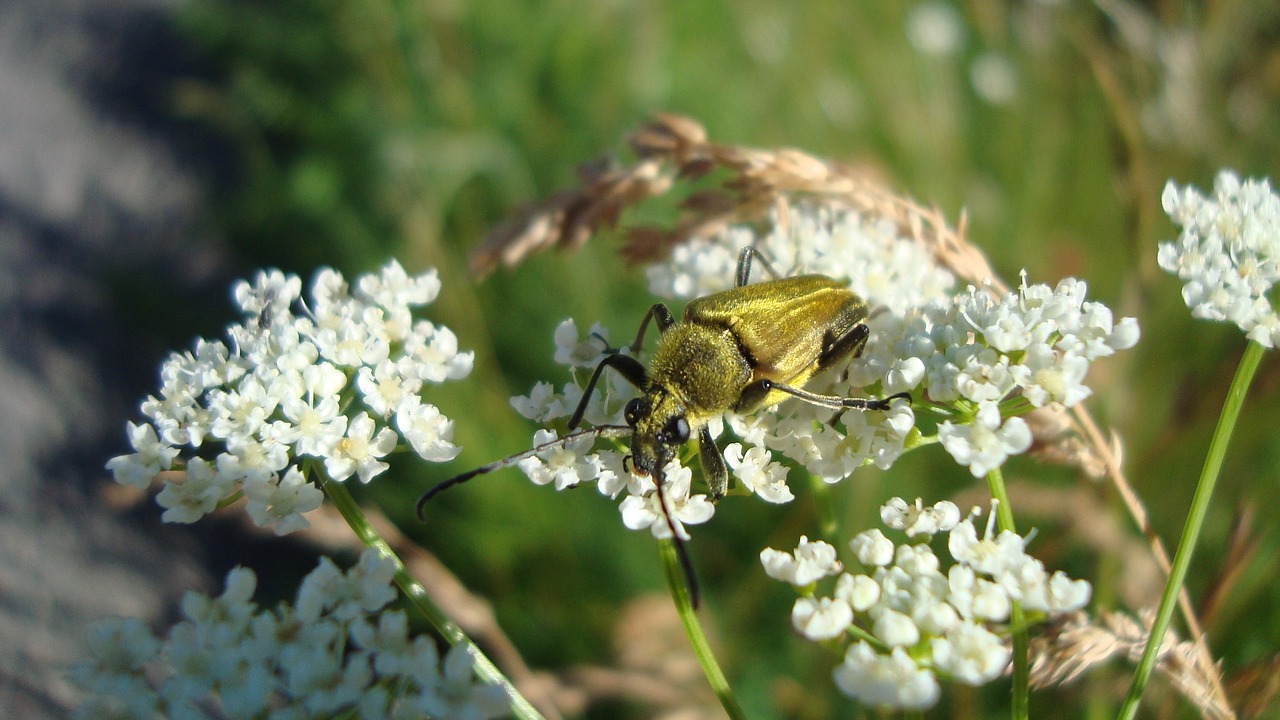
x: 773, y: 330
x: 739, y: 350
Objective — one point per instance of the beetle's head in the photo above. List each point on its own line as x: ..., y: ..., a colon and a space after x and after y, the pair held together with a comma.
x: 659, y: 429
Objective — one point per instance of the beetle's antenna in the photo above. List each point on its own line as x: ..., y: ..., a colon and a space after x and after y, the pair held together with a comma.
x: 691, y: 580
x: 598, y: 431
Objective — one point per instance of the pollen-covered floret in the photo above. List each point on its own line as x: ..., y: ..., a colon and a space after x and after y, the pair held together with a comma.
x: 930, y: 619
x: 332, y: 376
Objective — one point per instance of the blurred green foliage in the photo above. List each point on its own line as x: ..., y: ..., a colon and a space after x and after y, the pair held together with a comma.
x: 407, y: 129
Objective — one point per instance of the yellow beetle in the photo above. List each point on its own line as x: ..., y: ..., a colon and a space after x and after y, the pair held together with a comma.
x: 738, y: 351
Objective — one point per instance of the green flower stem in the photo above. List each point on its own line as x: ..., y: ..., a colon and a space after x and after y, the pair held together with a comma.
x: 417, y: 596
x: 1017, y: 621
x: 1195, y: 520
x: 693, y: 629
x: 828, y: 523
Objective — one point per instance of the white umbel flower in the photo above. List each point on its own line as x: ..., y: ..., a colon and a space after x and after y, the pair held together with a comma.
x: 360, y: 450
x: 320, y: 376
x: 820, y: 619
x: 1227, y: 253
x: 811, y: 561
x: 645, y: 511
x: 917, y: 519
x: 336, y: 651
x: 987, y: 442
x: 759, y: 473
x: 888, y: 681
x: 935, y: 618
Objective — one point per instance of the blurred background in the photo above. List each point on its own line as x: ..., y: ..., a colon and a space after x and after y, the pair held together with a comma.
x: 153, y: 150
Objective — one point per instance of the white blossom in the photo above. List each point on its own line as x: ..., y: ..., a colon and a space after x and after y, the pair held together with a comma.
x: 566, y: 463
x: 1227, y: 253
x: 891, y: 681
x: 917, y: 519
x: 384, y: 388
x: 431, y: 354
x: 359, y: 450
x: 428, y: 431
x: 872, y: 548
x: 280, y: 502
x: 811, y: 561
x: 987, y: 442
x: 579, y: 352
x: 759, y: 473
x: 231, y: 658
x: 974, y: 358
x: 646, y: 511
x: 933, y: 617
x: 195, y: 495
x: 394, y: 288
x: 896, y: 629
x: 970, y: 654
x: 821, y: 618
x: 859, y: 591
x: 320, y: 376
x: 149, y: 458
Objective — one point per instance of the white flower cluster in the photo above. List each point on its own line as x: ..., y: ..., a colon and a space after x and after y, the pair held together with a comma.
x: 1228, y: 253
x: 335, y: 651
x: 981, y: 356
x: 964, y: 350
x: 980, y: 360
x: 908, y: 621
x: 891, y: 271
x: 335, y: 382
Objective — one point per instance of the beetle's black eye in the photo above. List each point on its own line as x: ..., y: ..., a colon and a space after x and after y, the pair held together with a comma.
x: 676, y: 431
x: 634, y: 410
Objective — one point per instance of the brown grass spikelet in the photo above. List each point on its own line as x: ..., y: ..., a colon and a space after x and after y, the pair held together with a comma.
x: 671, y: 149
x: 1075, y: 644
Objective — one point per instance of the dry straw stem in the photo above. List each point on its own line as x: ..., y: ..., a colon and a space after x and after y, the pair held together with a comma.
x: 671, y: 149
x: 1074, y: 645
x: 1256, y: 688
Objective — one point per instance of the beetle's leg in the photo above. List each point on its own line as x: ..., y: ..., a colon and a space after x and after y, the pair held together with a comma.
x: 850, y: 344
x: 690, y: 577
x: 712, y: 464
x: 744, y: 265
x: 756, y: 392
x: 664, y: 318
x: 631, y: 369
x: 605, y: 343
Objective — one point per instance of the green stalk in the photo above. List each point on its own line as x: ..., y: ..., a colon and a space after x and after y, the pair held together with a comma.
x: 1195, y: 520
x: 828, y: 524
x: 341, y: 498
x: 1020, y: 709
x: 693, y: 629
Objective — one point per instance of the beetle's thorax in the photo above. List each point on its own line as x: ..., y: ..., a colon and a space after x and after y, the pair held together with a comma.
x: 697, y: 372
x: 702, y: 367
